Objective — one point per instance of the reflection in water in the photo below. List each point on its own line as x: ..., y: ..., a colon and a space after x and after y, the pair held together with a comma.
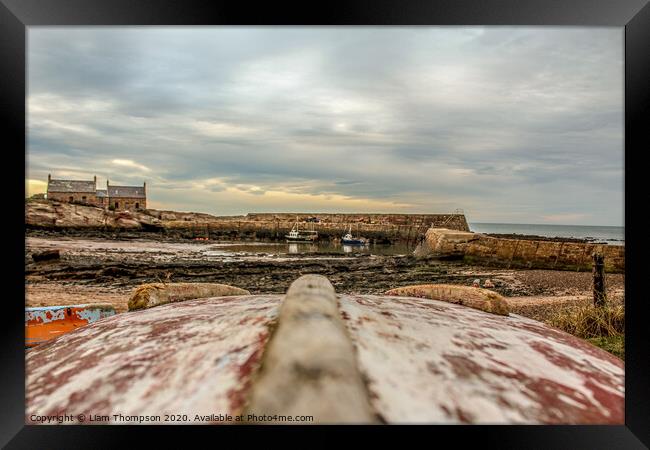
x: 294, y: 248
x: 302, y: 248
x: 338, y: 248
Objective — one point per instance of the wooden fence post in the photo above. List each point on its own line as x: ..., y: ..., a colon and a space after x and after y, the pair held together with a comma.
x: 600, y: 297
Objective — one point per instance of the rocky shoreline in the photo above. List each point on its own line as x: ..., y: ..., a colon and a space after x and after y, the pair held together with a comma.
x: 109, y: 269
x: 362, y: 273
x: 533, y: 237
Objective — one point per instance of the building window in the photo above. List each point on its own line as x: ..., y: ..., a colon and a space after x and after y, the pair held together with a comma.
x: 83, y: 199
x: 137, y: 205
x: 117, y: 205
x: 71, y: 199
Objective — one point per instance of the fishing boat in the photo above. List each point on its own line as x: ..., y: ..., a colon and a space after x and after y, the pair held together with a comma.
x: 43, y: 324
x: 297, y: 235
x: 349, y: 240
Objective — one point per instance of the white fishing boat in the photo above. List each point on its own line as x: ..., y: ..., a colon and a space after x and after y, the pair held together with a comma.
x: 298, y: 235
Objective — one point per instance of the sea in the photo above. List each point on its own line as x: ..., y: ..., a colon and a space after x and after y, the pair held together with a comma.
x: 596, y: 234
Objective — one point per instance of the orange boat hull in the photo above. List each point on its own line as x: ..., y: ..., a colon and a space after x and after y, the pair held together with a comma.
x: 46, y: 323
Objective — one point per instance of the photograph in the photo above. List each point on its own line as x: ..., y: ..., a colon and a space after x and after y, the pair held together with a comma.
x: 325, y: 225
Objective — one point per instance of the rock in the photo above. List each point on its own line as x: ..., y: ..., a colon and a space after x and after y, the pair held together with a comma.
x: 124, y: 222
x: 35, y: 279
x: 154, y: 294
x: 46, y: 255
x: 52, y: 214
x: 443, y: 242
x: 477, y: 298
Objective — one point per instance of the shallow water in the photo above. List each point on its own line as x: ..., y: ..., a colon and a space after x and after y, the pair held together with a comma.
x: 227, y: 251
x: 283, y: 248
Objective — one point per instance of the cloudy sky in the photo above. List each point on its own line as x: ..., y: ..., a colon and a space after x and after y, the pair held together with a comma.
x: 511, y: 124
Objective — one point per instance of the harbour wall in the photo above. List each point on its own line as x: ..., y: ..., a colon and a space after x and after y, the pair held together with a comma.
x: 378, y: 228
x: 451, y: 221
x: 519, y: 253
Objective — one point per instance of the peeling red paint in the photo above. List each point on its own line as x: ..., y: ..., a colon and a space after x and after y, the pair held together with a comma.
x: 178, y: 358
x: 453, y: 364
x: 423, y: 361
x: 237, y: 396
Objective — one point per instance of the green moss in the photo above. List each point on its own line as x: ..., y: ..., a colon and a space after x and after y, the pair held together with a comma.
x: 469, y: 259
x: 612, y: 344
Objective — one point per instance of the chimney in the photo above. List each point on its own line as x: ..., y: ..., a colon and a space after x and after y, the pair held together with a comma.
x: 49, y: 178
x: 145, y: 188
x: 95, y: 179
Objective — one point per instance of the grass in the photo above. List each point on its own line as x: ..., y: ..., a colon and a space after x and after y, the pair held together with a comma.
x: 602, y: 326
x: 588, y: 321
x: 612, y: 344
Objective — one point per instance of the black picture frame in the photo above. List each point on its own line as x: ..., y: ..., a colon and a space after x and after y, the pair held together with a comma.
x: 634, y: 15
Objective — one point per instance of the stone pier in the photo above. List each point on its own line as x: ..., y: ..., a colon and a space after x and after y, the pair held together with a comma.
x: 378, y: 228
x: 518, y: 253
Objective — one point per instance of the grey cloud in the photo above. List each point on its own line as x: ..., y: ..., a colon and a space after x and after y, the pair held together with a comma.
x: 488, y: 119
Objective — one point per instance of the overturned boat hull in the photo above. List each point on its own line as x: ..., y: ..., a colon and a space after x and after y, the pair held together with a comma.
x: 419, y: 354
